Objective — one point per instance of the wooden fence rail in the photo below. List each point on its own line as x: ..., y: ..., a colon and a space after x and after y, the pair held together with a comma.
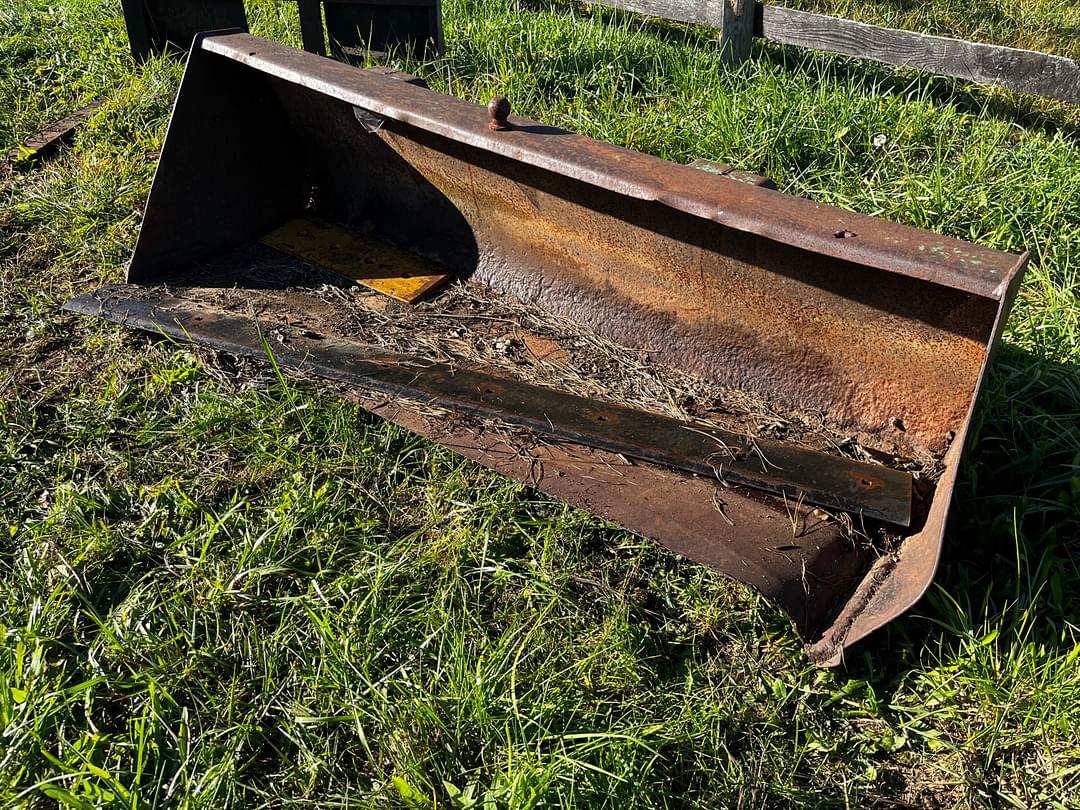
x: 739, y: 20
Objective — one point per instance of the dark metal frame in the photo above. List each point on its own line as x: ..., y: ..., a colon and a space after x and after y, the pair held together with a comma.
x: 163, y: 26
x: 387, y: 22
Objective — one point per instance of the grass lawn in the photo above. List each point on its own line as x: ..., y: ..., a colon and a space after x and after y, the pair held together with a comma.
x: 218, y: 589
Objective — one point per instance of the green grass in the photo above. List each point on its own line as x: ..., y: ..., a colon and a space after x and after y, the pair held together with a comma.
x: 1052, y: 26
x: 217, y: 589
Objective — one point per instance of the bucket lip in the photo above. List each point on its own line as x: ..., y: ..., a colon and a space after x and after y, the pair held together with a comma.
x: 818, y: 228
x: 742, y: 533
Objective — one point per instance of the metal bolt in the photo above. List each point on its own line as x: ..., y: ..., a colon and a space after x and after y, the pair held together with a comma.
x: 499, y: 108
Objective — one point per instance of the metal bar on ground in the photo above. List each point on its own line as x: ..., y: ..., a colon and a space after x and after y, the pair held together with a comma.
x: 48, y: 141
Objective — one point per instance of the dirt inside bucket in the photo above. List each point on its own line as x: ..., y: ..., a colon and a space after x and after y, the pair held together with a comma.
x: 473, y: 326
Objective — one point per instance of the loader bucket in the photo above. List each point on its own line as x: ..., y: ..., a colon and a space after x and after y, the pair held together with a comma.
x: 772, y: 387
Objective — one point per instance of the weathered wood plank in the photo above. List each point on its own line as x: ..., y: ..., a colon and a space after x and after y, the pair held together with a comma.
x: 1028, y: 71
x: 733, y: 18
x: 701, y: 12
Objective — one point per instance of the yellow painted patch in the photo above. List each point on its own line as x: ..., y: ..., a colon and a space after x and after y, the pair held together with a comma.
x: 366, y: 260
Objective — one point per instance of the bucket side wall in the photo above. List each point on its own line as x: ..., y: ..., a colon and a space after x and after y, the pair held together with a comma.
x: 231, y: 168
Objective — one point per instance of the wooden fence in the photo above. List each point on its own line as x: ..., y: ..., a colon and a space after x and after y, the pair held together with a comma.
x: 740, y: 20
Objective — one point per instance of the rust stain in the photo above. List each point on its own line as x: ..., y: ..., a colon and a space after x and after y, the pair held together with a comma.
x: 546, y: 350
x: 852, y: 350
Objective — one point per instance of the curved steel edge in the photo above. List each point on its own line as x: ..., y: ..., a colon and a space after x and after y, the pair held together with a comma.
x: 819, y: 228
x: 895, y: 583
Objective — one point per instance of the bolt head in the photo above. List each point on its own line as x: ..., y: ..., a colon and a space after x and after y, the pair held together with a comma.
x: 499, y: 109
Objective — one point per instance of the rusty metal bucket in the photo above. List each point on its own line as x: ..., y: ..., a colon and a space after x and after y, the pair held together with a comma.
x: 282, y: 169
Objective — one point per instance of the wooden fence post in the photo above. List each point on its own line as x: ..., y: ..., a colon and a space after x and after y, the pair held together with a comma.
x: 737, y: 31
x: 734, y: 19
x: 739, y: 21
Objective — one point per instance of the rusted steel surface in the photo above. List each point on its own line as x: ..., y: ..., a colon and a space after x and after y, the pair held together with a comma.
x: 625, y: 243
x: 45, y: 143
x: 880, y: 327
x: 499, y: 110
x: 895, y: 582
x: 863, y: 489
x: 880, y: 244
x: 808, y: 571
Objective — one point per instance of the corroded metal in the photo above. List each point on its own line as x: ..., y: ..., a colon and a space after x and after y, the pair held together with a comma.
x: 788, y: 551
x: 879, y: 327
x: 865, y: 490
x: 44, y: 144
